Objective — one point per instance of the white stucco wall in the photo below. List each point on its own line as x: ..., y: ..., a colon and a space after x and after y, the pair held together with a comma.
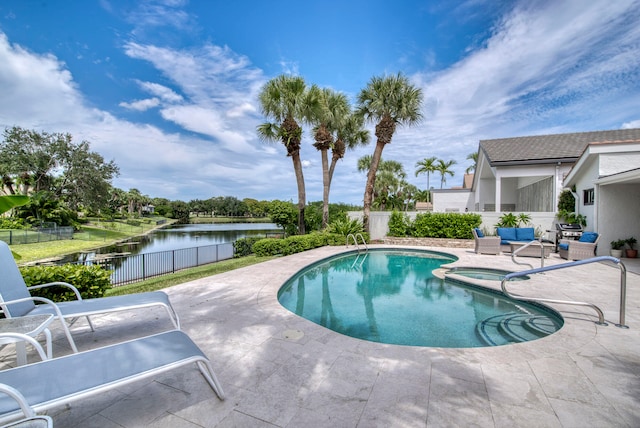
x: 452, y: 200
x: 379, y: 220
x: 613, y: 163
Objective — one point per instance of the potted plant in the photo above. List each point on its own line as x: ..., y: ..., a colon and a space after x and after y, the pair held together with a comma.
x: 631, y: 252
x: 616, y: 248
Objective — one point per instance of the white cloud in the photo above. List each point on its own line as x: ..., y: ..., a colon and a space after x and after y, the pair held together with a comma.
x: 632, y: 124
x: 141, y: 105
x: 161, y: 91
x: 227, y: 159
x: 557, y: 67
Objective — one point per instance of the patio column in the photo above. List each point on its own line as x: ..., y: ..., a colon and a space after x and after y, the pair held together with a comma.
x: 498, y: 199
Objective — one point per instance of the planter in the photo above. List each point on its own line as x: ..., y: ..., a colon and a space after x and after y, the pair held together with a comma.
x: 631, y: 254
x: 616, y: 253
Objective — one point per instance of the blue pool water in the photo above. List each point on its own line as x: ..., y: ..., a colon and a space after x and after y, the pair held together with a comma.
x: 487, y: 274
x: 392, y: 296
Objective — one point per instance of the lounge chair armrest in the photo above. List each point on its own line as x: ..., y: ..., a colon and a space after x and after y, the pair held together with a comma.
x: 60, y: 283
x: 16, y: 395
x: 490, y: 238
x: 25, y: 338
x: 55, y: 307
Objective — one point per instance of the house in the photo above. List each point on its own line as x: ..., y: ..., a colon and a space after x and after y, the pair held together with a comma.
x: 606, y: 179
x: 527, y: 174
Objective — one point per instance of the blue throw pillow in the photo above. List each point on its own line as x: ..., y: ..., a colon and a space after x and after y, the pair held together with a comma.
x: 588, y: 237
x: 563, y: 246
x: 507, y: 233
x: 525, y: 234
x: 479, y: 233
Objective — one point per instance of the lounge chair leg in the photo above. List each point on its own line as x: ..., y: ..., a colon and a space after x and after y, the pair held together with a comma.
x: 68, y: 334
x: 90, y: 324
x: 209, y: 375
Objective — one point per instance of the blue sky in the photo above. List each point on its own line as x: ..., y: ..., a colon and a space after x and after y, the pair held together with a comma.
x: 168, y: 89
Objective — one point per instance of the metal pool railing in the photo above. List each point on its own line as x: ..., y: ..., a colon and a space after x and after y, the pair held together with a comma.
x: 127, y: 269
x: 601, y: 321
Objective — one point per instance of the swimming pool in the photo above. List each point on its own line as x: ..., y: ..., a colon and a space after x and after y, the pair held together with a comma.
x: 391, y: 296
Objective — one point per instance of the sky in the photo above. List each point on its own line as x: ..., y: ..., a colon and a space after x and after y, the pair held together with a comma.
x: 168, y: 89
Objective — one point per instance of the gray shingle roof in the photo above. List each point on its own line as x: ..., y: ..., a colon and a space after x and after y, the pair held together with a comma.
x: 551, y: 148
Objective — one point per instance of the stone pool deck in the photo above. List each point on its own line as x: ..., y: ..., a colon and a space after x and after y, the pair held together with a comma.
x: 279, y: 370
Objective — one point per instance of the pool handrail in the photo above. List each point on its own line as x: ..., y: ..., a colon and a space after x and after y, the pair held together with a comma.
x: 355, y: 241
x: 517, y: 250
x: 601, y: 321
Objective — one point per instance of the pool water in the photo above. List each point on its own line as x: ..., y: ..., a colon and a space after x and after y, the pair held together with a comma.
x: 487, y: 274
x: 391, y: 296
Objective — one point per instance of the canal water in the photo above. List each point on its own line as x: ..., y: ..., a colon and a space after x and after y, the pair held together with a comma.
x: 177, y: 237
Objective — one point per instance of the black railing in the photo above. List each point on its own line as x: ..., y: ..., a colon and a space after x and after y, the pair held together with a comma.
x: 31, y: 236
x: 128, y: 269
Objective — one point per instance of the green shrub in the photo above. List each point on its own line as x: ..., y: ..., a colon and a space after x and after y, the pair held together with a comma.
x: 445, y: 225
x: 399, y: 224
x: 243, y: 246
x: 92, y: 281
x: 268, y: 247
x: 345, y: 227
x: 298, y: 243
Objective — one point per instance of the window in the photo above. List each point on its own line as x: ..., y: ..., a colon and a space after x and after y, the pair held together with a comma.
x: 588, y: 196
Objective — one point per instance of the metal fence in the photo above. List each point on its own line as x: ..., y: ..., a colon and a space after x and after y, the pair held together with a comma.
x: 30, y: 236
x: 128, y: 269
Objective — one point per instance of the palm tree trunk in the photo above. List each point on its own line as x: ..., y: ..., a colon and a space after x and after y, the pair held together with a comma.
x: 326, y: 182
x: 371, y: 181
x: 302, y: 197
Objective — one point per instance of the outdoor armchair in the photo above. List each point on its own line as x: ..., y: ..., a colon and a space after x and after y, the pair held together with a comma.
x: 16, y: 300
x: 485, y: 244
x: 584, y: 248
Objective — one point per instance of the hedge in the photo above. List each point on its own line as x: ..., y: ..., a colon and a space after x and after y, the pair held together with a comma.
x: 434, y: 225
x: 91, y: 281
x: 298, y: 243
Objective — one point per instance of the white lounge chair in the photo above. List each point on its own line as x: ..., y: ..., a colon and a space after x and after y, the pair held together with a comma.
x: 51, y: 383
x: 16, y: 301
x: 29, y: 418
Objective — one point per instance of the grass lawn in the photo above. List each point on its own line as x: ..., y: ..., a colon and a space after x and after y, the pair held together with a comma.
x: 208, y: 219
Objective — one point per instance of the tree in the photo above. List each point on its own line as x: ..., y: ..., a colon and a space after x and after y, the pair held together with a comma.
x: 474, y: 158
x: 286, y: 100
x: 330, y: 116
x: 390, y: 181
x: 443, y: 168
x: 426, y: 166
x: 32, y: 162
x: 389, y: 101
x: 283, y: 214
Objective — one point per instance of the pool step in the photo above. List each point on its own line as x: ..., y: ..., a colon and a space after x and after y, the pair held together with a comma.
x: 514, y: 328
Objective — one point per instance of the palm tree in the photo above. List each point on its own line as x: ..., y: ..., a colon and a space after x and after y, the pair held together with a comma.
x: 390, y: 179
x: 443, y: 168
x: 332, y: 110
x: 389, y: 101
x: 472, y: 157
x: 426, y: 166
x: 286, y: 100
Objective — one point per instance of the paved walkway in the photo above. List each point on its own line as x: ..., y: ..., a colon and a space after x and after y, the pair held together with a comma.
x: 279, y: 370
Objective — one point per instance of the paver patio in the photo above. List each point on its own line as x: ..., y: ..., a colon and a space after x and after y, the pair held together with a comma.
x: 279, y: 370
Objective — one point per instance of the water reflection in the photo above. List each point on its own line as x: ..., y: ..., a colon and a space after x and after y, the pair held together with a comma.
x: 178, y: 237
